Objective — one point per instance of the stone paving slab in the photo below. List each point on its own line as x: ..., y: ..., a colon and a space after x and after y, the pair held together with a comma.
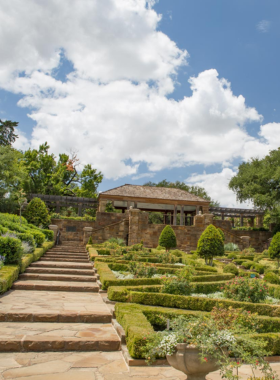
x: 80, y: 272
x: 56, y: 286
x: 56, y: 277
x: 25, y: 336
x: 89, y: 366
x: 61, y: 264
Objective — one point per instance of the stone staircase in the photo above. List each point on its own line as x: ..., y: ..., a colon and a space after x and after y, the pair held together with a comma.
x: 55, y: 306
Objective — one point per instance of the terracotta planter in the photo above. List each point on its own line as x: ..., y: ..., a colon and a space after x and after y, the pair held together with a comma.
x: 188, y: 360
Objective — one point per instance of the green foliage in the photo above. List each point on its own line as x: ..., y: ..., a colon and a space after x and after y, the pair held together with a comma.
x: 167, y: 238
x: 90, y: 240
x: 271, y: 278
x: 210, y: 244
x: 11, y: 249
x: 167, y: 258
x: 221, y: 233
x: 173, y: 285
x: 8, y: 274
x: 37, y: 213
x: 7, y: 132
x: 231, y: 268
x: 274, y: 248
x: 4, y: 217
x: 246, y: 289
x: 248, y: 251
x: 141, y: 271
x: 231, y: 247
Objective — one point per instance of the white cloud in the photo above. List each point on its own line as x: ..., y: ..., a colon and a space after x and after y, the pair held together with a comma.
x: 113, y: 107
x: 143, y: 175
x: 216, y: 184
x: 263, y: 26
x: 22, y: 142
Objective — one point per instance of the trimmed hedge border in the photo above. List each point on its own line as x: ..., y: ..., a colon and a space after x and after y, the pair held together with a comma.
x: 10, y: 273
x: 107, y: 277
x: 137, y: 320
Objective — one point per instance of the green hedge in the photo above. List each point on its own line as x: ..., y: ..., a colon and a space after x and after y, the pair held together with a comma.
x: 137, y: 322
x: 8, y: 274
x: 26, y: 261
x: 38, y: 253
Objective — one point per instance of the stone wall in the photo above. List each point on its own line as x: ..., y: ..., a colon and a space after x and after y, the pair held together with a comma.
x: 66, y: 227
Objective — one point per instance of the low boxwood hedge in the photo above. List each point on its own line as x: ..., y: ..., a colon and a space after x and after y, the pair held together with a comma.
x: 8, y: 275
x: 138, y: 321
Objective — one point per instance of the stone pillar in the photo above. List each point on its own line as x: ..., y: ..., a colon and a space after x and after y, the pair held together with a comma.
x: 128, y: 205
x: 259, y: 221
x: 182, y: 216
x: 164, y: 217
x: 245, y: 241
x: 134, y: 233
x: 197, y: 210
x: 80, y: 207
x: 223, y: 216
x: 175, y: 216
x: 241, y: 220
x: 208, y: 219
x: 102, y: 205
x: 87, y: 234
x: 54, y: 228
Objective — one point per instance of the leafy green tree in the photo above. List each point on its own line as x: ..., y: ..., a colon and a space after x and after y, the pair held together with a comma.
x: 274, y: 248
x: 37, y: 213
x: 258, y: 181
x: 61, y: 177
x: 210, y: 244
x: 110, y: 208
x: 196, y: 190
x: 7, y: 132
x: 167, y: 238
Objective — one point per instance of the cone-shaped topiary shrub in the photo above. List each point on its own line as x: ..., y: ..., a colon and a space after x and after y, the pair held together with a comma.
x: 167, y: 238
x: 210, y: 244
x: 274, y: 248
x: 221, y: 233
x: 90, y: 240
x: 37, y: 213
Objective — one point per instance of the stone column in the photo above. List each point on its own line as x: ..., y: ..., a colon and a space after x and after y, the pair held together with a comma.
x: 197, y: 210
x: 245, y: 241
x: 182, y: 216
x: 54, y: 228
x: 87, y: 234
x: 259, y: 221
x: 164, y: 217
x: 175, y: 216
x: 102, y: 205
x: 134, y: 233
x: 241, y: 220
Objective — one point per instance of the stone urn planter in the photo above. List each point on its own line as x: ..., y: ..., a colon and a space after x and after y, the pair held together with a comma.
x: 188, y: 360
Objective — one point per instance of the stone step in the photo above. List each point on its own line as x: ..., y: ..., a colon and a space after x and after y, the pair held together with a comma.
x: 63, y: 259
x: 60, y: 264
x: 42, y: 337
x: 65, y: 249
x: 56, y: 285
x: 56, y: 277
x: 79, y: 272
x: 70, y: 255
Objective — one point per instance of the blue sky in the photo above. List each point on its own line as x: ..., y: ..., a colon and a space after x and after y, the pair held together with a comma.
x: 240, y: 40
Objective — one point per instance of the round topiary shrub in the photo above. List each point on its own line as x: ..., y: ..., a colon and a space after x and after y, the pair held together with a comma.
x: 271, y: 278
x: 167, y: 238
x: 37, y: 213
x: 274, y: 248
x: 231, y: 268
x: 210, y: 244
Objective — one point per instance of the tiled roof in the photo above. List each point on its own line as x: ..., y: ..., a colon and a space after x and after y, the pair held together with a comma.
x: 138, y: 191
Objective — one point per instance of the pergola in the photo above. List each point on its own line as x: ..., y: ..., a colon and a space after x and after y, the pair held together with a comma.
x: 241, y: 213
x: 168, y: 201
x: 57, y: 201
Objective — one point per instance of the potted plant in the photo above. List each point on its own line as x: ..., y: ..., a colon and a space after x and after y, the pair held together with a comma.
x: 219, y: 340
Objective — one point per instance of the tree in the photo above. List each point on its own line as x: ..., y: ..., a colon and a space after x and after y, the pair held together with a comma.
x: 61, y: 177
x: 196, y: 190
x: 210, y: 244
x: 274, y: 248
x: 7, y: 132
x: 221, y: 232
x: 167, y: 238
x: 37, y: 213
x: 258, y: 181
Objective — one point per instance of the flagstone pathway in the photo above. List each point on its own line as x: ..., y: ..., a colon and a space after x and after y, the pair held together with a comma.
x: 55, y: 326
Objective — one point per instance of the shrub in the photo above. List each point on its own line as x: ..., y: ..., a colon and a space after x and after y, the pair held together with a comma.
x: 232, y: 255
x: 160, y: 248
x: 221, y: 232
x: 210, y: 244
x: 90, y: 240
x: 141, y: 271
x: 173, y: 285
x: 177, y: 253
x: 272, y: 278
x: 167, y: 258
x: 231, y: 268
x: 248, y: 251
x: 167, y: 238
x: 274, y: 248
x: 37, y: 213
x: 11, y: 249
x: 231, y: 247
x: 246, y: 290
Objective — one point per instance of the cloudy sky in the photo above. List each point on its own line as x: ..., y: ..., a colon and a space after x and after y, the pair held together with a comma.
x: 145, y: 90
